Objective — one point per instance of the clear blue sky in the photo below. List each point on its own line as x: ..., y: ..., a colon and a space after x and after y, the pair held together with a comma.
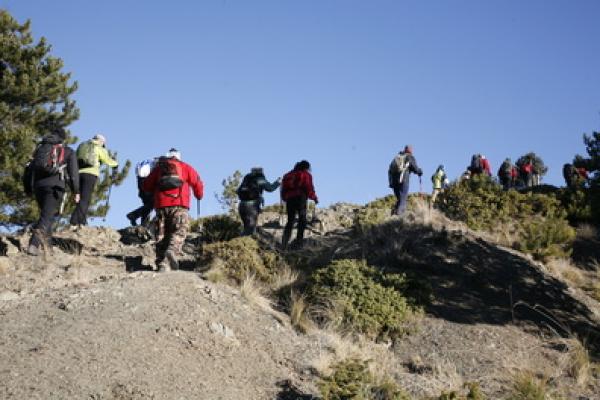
x: 344, y: 84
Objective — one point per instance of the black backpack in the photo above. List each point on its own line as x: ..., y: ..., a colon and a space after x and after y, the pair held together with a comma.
x: 249, y: 189
x: 48, y: 159
x: 476, y: 164
x: 170, y: 174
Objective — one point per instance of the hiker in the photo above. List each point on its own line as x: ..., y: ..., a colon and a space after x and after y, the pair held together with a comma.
x: 465, y: 175
x: 399, y: 177
x: 251, y: 199
x: 526, y: 172
x: 54, y: 165
x: 507, y: 174
x: 142, y: 170
x: 480, y: 165
x: 570, y: 174
x: 91, y: 155
x: 170, y: 182
x: 440, y: 182
x: 296, y: 188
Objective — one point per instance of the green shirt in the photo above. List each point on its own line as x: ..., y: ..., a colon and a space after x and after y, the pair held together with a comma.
x: 103, y: 158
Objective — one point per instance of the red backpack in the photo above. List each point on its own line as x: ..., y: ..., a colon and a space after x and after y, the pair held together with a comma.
x: 170, y: 174
x: 289, y: 184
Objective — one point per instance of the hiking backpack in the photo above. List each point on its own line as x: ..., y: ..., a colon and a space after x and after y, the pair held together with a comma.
x: 476, y: 164
x: 506, y: 170
x: 399, y: 167
x: 527, y: 168
x: 48, y: 159
x: 249, y: 189
x: 290, y: 183
x: 143, y: 168
x: 86, y: 154
x: 170, y: 174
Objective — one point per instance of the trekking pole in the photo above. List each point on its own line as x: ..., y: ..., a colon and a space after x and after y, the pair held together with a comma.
x: 107, y: 202
x: 197, y: 208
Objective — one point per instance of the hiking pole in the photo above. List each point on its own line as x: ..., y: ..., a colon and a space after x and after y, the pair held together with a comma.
x: 107, y: 202
x: 197, y: 208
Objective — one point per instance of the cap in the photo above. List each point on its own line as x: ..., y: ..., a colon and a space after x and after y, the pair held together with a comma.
x: 173, y: 153
x: 256, y: 170
x: 100, y: 138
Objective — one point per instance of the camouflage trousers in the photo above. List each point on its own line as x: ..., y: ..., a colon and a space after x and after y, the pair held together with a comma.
x: 172, y: 225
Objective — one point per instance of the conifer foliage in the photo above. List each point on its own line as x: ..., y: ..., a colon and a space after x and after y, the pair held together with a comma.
x: 35, y: 95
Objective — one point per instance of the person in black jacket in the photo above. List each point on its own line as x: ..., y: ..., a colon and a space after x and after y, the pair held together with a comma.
x: 251, y: 198
x: 399, y: 177
x: 49, y: 190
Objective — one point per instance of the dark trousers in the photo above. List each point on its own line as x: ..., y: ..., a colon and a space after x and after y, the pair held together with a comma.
x: 295, y: 206
x: 87, y: 183
x: 401, y: 193
x: 48, y: 199
x: 144, y: 211
x: 249, y: 211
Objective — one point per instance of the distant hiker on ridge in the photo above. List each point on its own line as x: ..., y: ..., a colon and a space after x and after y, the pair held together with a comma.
x: 296, y: 188
x: 251, y: 199
x: 53, y: 166
x: 399, y: 177
x: 170, y: 181
x: 91, y: 155
x: 440, y: 181
x: 480, y: 165
x: 507, y: 174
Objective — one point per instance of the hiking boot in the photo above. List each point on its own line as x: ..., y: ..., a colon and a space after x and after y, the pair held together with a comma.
x: 132, y: 219
x: 164, y: 266
x: 172, y: 260
x: 33, y: 250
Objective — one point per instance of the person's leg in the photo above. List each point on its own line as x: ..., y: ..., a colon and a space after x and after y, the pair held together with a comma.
x: 147, y: 208
x: 302, y: 220
x: 403, y: 192
x: 161, y: 236
x: 291, y: 208
x: 396, y: 209
x: 178, y: 226
x: 244, y: 211
x: 87, y: 182
x: 48, y: 200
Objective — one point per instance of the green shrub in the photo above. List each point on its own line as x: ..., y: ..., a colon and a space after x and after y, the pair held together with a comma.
x: 473, y: 394
x: 217, y: 228
x: 538, y: 222
x: 351, y: 380
x: 361, y: 297
x: 241, y: 257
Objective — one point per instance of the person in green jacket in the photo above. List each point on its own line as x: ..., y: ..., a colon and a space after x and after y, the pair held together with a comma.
x: 440, y: 181
x: 89, y: 170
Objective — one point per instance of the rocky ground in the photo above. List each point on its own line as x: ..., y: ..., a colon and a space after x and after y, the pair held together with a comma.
x: 93, y: 321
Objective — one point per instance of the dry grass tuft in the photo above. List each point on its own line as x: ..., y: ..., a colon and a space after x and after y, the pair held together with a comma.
x: 563, y: 268
x: 252, y: 291
x: 4, y: 265
x: 299, y: 314
x: 527, y: 386
x: 587, y: 232
x: 284, y: 277
x: 578, y: 365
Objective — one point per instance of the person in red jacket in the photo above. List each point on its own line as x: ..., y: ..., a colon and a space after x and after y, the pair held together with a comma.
x: 296, y: 188
x: 170, y: 181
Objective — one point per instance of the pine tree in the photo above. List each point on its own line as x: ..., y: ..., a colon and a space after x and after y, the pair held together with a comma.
x: 228, y: 197
x: 35, y: 95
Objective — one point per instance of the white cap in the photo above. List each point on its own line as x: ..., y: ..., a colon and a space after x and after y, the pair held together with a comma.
x: 100, y: 138
x: 173, y: 153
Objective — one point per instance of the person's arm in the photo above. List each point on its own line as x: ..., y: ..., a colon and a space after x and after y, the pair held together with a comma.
x: 269, y: 187
x: 195, y: 182
x: 309, y: 187
x: 105, y: 158
x: 73, y: 171
x: 413, y: 167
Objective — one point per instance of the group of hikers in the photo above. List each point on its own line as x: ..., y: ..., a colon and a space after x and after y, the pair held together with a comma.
x: 164, y: 185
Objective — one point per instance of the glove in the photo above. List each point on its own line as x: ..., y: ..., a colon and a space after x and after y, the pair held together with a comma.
x: 420, y: 173
x: 114, y: 174
x: 316, y: 201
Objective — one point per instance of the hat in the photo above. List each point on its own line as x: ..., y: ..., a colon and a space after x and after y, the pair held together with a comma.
x: 100, y: 138
x: 173, y: 153
x: 256, y: 170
